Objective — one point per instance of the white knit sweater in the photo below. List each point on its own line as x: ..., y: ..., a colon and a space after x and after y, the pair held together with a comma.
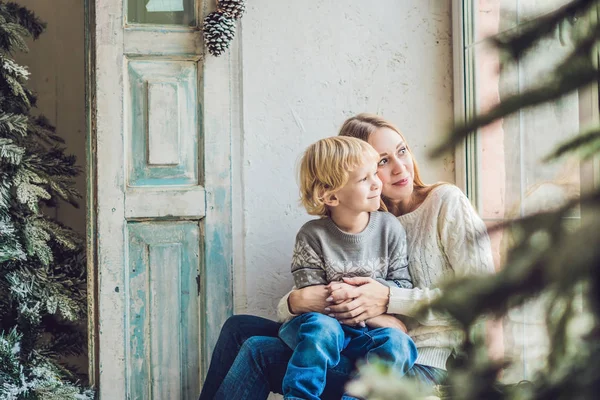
x: 446, y: 238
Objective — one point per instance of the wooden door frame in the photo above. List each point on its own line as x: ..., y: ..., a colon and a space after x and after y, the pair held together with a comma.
x: 218, y: 93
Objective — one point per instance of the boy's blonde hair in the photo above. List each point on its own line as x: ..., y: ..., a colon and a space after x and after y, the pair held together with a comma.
x: 325, y: 168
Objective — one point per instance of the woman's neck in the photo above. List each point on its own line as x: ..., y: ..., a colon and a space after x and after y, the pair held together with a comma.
x: 401, y: 207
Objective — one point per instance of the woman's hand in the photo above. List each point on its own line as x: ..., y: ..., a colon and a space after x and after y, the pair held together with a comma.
x: 369, y: 299
x: 308, y: 299
x: 386, y: 321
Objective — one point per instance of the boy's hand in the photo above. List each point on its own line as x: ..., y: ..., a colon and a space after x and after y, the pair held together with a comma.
x: 386, y: 321
x: 369, y: 298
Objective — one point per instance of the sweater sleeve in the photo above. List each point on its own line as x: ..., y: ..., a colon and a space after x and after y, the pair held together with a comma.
x: 465, y: 243
x: 409, y: 301
x: 283, y: 309
x: 308, y: 267
x: 463, y: 236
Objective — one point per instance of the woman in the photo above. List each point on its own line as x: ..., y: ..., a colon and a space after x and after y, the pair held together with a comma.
x: 446, y: 238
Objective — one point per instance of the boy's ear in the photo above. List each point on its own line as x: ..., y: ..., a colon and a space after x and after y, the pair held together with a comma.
x: 331, y: 200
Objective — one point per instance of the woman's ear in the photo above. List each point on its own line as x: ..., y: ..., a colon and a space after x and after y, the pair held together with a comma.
x: 331, y: 200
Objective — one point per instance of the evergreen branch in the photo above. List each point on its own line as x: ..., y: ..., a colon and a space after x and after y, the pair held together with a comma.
x: 561, y: 305
x: 530, y: 223
x: 17, y: 89
x: 66, y: 339
x: 6, y: 183
x: 9, y: 351
x: 10, y: 248
x: 574, y: 380
x: 11, y: 67
x: 46, y: 176
x: 12, y: 36
x: 588, y: 143
x: 55, y: 170
x: 36, y: 242
x: 26, y: 19
x: 28, y: 192
x: 38, y: 292
x: 10, y: 153
x: 40, y: 378
x: 64, y: 236
x: 550, y: 261
x: 576, y: 71
x: 64, y: 188
x: 45, y: 131
x: 56, y: 163
x: 13, y: 124
x: 517, y: 43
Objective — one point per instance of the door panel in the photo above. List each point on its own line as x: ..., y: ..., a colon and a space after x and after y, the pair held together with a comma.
x: 160, y: 173
x: 162, y: 104
x: 142, y: 41
x: 163, y: 323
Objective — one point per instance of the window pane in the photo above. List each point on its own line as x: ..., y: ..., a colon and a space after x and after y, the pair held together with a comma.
x: 512, y: 179
x: 161, y: 12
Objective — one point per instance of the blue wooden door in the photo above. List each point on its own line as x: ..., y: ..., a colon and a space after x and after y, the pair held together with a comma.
x: 160, y: 173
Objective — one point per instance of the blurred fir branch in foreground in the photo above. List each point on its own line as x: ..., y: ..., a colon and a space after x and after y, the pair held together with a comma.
x: 548, y: 257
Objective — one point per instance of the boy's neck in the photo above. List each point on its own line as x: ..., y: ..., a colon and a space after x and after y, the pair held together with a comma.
x: 350, y: 222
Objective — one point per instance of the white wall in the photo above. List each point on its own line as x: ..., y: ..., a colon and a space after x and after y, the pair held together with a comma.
x: 307, y: 66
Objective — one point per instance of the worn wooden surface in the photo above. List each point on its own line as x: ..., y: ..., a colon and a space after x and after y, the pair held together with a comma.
x: 170, y: 42
x: 162, y: 143
x: 163, y: 310
x: 161, y: 105
x: 217, y: 283
x: 188, y: 202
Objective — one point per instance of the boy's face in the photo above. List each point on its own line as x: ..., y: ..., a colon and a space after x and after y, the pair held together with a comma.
x: 362, y: 192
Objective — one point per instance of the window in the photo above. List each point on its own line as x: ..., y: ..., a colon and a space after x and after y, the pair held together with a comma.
x: 503, y: 172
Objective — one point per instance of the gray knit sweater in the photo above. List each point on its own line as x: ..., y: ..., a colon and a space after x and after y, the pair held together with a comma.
x: 323, y: 253
x: 446, y: 238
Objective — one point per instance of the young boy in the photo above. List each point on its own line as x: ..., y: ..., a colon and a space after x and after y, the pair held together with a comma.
x: 339, y: 183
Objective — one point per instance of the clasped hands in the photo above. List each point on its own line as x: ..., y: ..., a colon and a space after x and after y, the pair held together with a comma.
x: 360, y: 301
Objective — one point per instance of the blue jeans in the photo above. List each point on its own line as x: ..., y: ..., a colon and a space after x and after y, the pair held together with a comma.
x: 249, y: 361
x: 319, y: 341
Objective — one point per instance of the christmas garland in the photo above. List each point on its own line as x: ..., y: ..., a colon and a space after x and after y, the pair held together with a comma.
x: 219, y: 26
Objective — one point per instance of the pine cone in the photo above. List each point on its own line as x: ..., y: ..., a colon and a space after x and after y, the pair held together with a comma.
x: 234, y: 8
x: 219, y: 30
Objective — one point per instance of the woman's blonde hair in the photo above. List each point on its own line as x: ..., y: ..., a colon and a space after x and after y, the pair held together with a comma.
x: 325, y: 168
x: 362, y: 126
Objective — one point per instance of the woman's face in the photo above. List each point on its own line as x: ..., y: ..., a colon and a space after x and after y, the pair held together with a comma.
x: 395, y: 168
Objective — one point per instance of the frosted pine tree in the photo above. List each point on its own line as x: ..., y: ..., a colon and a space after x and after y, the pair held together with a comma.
x: 42, y: 262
